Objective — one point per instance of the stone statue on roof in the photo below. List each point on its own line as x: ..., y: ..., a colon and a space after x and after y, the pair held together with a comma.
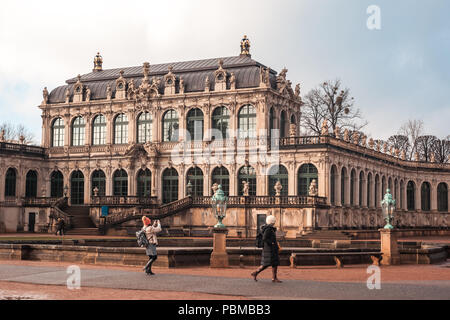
x: 245, y: 46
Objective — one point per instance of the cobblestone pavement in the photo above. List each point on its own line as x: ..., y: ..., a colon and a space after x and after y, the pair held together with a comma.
x: 229, y: 285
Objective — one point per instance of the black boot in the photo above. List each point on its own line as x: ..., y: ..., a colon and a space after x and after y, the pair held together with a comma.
x: 153, y: 259
x: 148, y: 265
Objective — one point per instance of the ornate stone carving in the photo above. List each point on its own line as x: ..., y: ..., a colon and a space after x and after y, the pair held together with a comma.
x: 313, y: 192
x: 45, y: 95
x: 88, y: 94
x: 346, y: 135
x: 232, y: 81
x: 220, y: 76
x: 181, y: 90
x: 245, y: 46
x: 67, y: 95
x: 207, y: 84
x: 98, y: 61
x: 121, y: 86
x: 245, y: 188
x: 324, y: 131
x: 264, y: 80
x: 278, y: 188
x: 108, y: 93
x: 169, y: 82
x: 78, y: 90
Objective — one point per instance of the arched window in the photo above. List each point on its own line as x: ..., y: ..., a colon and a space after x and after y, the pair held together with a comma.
x: 99, y: 130
x: 344, y: 183
x: 271, y: 120
x: 170, y: 185
x: 31, y: 184
x: 144, y: 127
x: 293, y: 119
x: 395, y: 191
x: 121, y: 129
x: 56, y: 184
x: 306, y: 174
x: 77, y: 187
x: 10, y: 183
x: 377, y: 191
x: 390, y: 186
x: 170, y: 126
x: 120, y: 183
x: 99, y: 182
x: 195, y: 177
x: 144, y: 183
x: 425, y: 196
x: 221, y: 122
x: 352, y: 186
x: 221, y: 176
x: 369, y: 189
x: 402, y: 191
x: 410, y: 196
x: 194, y: 124
x: 383, y: 187
x: 283, y: 124
x: 248, y: 174
x: 278, y: 173
x: 442, y: 197
x: 333, y: 178
x: 247, y: 122
x: 78, y: 127
x: 361, y: 186
x: 58, y: 133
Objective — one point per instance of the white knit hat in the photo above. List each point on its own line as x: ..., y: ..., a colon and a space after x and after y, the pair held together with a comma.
x: 271, y: 220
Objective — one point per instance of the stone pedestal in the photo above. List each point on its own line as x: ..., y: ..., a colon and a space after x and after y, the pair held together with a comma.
x: 389, y: 247
x: 219, y: 256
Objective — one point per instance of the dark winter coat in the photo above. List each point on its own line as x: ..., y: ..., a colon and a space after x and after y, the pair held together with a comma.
x: 270, y: 250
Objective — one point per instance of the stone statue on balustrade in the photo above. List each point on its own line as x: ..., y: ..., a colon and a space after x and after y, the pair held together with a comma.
x: 313, y: 192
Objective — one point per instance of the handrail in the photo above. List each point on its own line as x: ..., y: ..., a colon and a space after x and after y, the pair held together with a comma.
x: 124, y: 200
x: 57, y: 212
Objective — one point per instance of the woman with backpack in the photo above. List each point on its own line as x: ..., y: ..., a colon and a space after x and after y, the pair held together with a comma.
x: 151, y: 230
x: 270, y: 250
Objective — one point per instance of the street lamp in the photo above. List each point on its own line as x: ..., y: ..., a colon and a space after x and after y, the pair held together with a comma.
x: 388, y: 206
x: 219, y: 206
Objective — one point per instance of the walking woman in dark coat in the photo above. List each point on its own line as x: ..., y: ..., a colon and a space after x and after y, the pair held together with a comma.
x: 270, y: 250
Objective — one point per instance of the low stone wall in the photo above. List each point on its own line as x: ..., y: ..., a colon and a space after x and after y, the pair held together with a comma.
x: 401, y: 233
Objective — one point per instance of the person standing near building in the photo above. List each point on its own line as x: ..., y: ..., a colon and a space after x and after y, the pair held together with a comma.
x: 151, y: 230
x: 269, y: 255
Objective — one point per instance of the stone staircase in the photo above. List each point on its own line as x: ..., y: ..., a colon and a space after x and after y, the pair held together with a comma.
x: 327, y: 235
x: 81, y: 222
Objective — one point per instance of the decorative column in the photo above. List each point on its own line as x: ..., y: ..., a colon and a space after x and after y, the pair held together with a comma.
x: 389, y: 248
x: 433, y: 196
x: 338, y: 186
x: 418, y: 197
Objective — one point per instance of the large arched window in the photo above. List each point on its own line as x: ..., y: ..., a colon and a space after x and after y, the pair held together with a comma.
x: 144, y: 127
x: 271, y: 121
x: 221, y: 122
x: 78, y: 127
x: 99, y: 182
x: 248, y: 174
x: 221, y: 176
x: 10, y: 183
x: 283, y: 124
x: 333, y: 178
x: 58, y: 133
x: 442, y: 197
x: 377, y: 191
x: 369, y: 189
x: 360, y: 187
x: 402, y: 192
x: 383, y: 187
x: 99, y: 130
x: 344, y: 183
x: 278, y: 173
x: 247, y: 122
x: 194, y: 124
x: 120, y: 183
x: 121, y: 129
x: 306, y: 174
x: 170, y: 126
x: 170, y: 185
x: 31, y: 184
x: 144, y: 183
x: 410, y: 196
x: 425, y: 196
x: 77, y: 187
x: 195, y: 177
x: 56, y: 184
x: 352, y: 187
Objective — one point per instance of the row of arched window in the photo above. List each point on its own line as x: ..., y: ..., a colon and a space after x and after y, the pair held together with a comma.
x: 370, y: 186
x: 170, y: 125
x: 283, y: 123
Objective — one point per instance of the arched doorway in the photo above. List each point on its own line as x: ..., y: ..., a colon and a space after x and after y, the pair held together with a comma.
x: 170, y: 185
x: 77, y: 187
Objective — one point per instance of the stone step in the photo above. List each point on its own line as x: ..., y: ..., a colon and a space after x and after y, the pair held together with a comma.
x: 83, y: 231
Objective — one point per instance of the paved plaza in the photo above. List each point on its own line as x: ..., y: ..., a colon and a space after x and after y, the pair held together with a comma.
x: 39, y: 280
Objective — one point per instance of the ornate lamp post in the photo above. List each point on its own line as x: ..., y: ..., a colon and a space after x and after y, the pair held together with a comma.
x: 388, y: 206
x: 219, y: 206
x: 389, y: 247
x: 219, y: 256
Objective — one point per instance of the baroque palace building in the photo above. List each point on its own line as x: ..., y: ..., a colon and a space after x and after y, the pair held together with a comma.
x: 159, y: 139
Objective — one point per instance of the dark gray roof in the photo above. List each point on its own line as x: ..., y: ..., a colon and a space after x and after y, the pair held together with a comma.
x: 246, y: 71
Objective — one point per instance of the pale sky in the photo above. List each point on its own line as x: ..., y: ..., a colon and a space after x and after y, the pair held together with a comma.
x: 397, y: 73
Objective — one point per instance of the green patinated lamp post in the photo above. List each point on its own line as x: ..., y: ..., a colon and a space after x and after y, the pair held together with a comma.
x: 219, y: 206
x: 388, y: 206
x: 389, y: 247
x: 219, y: 256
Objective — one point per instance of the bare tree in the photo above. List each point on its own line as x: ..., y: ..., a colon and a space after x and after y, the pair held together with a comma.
x: 14, y: 132
x: 441, y: 150
x: 412, y: 129
x: 329, y: 102
x: 400, y: 142
x: 425, y: 146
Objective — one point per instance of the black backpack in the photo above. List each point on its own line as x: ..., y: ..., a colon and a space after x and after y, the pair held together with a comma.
x: 142, y: 239
x: 259, y: 239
